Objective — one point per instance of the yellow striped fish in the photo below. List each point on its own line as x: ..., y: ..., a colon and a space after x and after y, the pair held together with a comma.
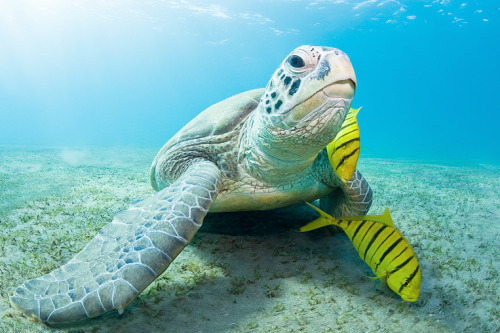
x: 382, y: 247
x: 343, y: 151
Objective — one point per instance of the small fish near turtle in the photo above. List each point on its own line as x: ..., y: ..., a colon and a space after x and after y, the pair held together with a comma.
x: 375, y: 237
x: 382, y: 247
x: 259, y: 150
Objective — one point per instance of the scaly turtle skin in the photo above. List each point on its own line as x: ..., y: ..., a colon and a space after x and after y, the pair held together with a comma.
x: 258, y: 150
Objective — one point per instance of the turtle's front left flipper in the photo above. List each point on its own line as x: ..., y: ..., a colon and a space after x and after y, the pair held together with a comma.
x: 126, y: 255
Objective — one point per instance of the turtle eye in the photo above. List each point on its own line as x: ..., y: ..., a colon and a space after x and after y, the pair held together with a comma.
x: 301, y: 60
x: 296, y: 61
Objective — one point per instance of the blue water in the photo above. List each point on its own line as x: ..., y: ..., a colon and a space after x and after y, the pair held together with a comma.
x: 121, y: 73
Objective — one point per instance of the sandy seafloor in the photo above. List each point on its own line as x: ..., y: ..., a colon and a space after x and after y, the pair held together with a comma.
x: 262, y: 277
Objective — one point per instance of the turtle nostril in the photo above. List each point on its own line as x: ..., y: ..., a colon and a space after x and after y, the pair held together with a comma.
x: 340, y: 53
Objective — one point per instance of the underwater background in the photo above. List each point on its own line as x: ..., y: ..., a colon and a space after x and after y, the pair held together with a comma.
x: 90, y: 91
x: 108, y: 73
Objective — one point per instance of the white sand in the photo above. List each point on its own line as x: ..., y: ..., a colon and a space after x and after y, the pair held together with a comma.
x: 53, y: 201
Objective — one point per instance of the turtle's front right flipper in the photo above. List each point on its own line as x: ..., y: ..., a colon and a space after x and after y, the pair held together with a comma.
x: 354, y: 198
x: 126, y: 255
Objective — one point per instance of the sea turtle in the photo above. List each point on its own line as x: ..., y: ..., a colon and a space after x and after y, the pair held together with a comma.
x: 259, y: 150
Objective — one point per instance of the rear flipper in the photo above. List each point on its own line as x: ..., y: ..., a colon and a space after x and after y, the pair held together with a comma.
x: 353, y: 199
x: 126, y: 255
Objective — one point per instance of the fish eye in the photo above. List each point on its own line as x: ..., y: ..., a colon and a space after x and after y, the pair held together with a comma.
x: 406, y: 283
x: 296, y: 61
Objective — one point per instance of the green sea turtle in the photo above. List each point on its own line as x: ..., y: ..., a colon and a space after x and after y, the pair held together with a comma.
x: 258, y: 150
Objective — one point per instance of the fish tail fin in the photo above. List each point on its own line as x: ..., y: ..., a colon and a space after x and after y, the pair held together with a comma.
x: 323, y: 220
x: 316, y: 224
x: 321, y: 213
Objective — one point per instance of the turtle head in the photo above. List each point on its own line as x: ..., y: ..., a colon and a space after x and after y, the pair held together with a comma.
x: 305, y: 102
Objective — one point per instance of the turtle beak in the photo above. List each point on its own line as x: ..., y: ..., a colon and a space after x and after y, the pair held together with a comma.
x: 342, y: 73
x: 340, y: 89
x: 333, y: 76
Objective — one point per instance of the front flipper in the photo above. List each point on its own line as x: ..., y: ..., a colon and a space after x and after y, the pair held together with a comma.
x: 352, y: 199
x: 126, y: 255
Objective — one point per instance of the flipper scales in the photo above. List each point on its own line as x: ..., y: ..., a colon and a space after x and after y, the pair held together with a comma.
x: 126, y: 255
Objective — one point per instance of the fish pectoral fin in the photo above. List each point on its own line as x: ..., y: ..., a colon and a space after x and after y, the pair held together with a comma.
x: 381, y: 277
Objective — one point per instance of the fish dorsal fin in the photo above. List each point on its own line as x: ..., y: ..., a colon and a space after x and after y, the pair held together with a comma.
x: 384, y: 218
x: 326, y: 219
x: 343, y: 151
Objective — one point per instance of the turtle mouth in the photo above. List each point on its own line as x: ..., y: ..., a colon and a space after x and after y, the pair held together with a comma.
x: 321, y: 101
x: 340, y: 89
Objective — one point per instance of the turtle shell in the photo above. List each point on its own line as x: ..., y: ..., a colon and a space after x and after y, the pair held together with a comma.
x: 218, y: 119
